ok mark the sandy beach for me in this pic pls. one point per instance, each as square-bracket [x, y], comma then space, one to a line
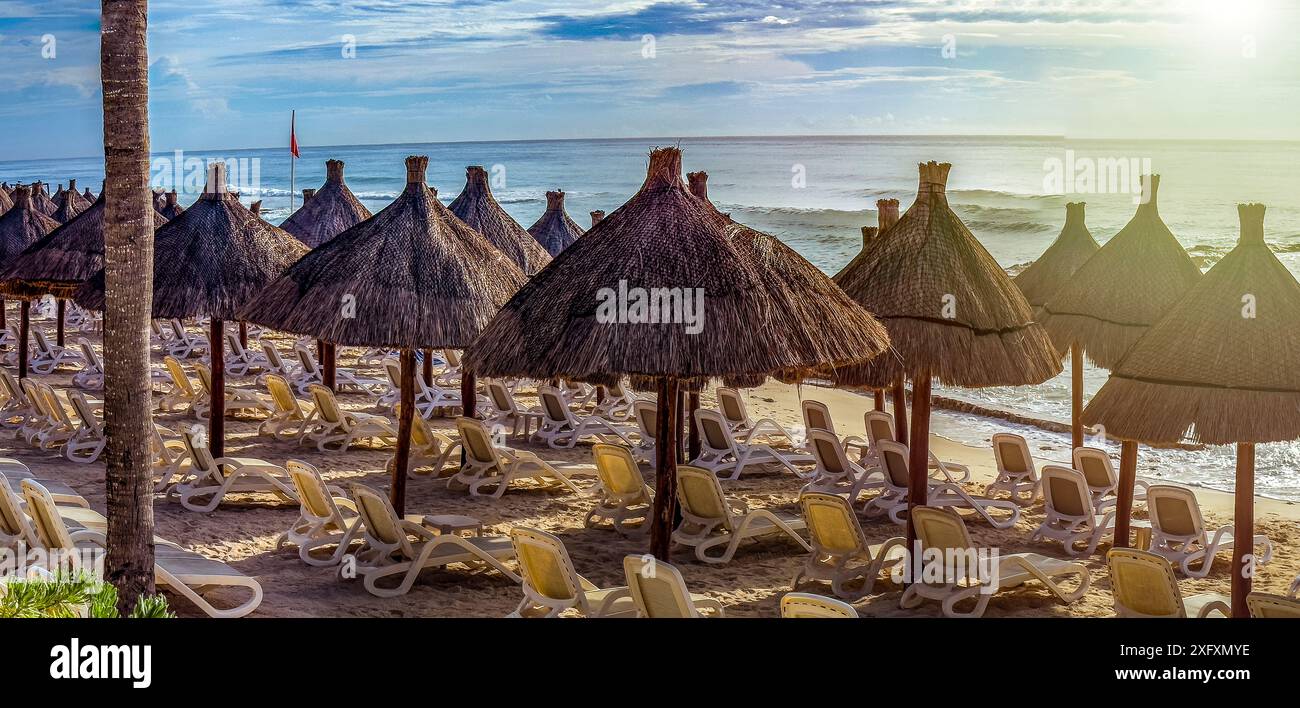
[243, 530]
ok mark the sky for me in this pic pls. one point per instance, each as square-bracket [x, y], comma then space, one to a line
[225, 75]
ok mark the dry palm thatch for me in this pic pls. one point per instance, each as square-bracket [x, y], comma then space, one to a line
[68, 209]
[89, 196]
[554, 230]
[328, 212]
[477, 207]
[171, 207]
[949, 307]
[886, 214]
[1126, 287]
[6, 201]
[79, 203]
[211, 259]
[417, 276]
[61, 261]
[698, 183]
[22, 226]
[41, 200]
[1222, 365]
[596, 216]
[1071, 249]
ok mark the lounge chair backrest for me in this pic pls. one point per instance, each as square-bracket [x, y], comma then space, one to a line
[381, 523]
[178, 329]
[475, 441]
[880, 426]
[90, 355]
[1066, 491]
[1096, 467]
[327, 406]
[12, 389]
[33, 396]
[831, 523]
[51, 532]
[647, 418]
[83, 409]
[940, 529]
[272, 355]
[1265, 606]
[200, 455]
[316, 500]
[234, 345]
[453, 358]
[553, 404]
[42, 344]
[544, 564]
[817, 416]
[713, 432]
[732, 406]
[700, 495]
[1174, 510]
[281, 395]
[657, 588]
[501, 397]
[893, 460]
[1143, 584]
[13, 520]
[828, 451]
[157, 329]
[801, 605]
[617, 469]
[205, 377]
[53, 406]
[393, 369]
[177, 374]
[615, 390]
[1011, 452]
[305, 358]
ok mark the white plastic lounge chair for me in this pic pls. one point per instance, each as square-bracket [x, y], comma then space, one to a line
[1144, 585]
[492, 467]
[721, 451]
[327, 518]
[659, 591]
[562, 428]
[237, 399]
[158, 335]
[802, 605]
[945, 532]
[38, 421]
[47, 357]
[59, 428]
[1097, 468]
[430, 449]
[1071, 517]
[448, 375]
[428, 398]
[624, 493]
[87, 442]
[241, 361]
[16, 527]
[168, 456]
[1265, 606]
[331, 424]
[576, 393]
[551, 585]
[646, 415]
[711, 520]
[841, 554]
[835, 472]
[893, 500]
[182, 343]
[214, 478]
[287, 414]
[344, 379]
[182, 392]
[16, 408]
[615, 402]
[91, 376]
[1178, 532]
[503, 410]
[183, 572]
[390, 550]
[817, 416]
[63, 495]
[375, 356]
[880, 426]
[1016, 473]
[732, 407]
[275, 364]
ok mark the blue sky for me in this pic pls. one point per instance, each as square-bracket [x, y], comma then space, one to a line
[225, 75]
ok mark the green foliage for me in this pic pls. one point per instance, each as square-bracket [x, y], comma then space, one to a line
[63, 597]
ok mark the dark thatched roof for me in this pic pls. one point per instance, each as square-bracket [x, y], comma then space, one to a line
[328, 212]
[171, 207]
[6, 201]
[698, 183]
[886, 214]
[596, 216]
[61, 261]
[415, 275]
[68, 209]
[211, 259]
[41, 200]
[555, 230]
[1124, 288]
[89, 196]
[78, 202]
[1052, 270]
[1223, 363]
[477, 207]
[766, 310]
[949, 307]
[22, 226]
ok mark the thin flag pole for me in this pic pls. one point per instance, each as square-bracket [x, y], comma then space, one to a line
[293, 155]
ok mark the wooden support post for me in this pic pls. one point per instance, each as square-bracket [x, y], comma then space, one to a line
[406, 409]
[665, 504]
[918, 460]
[900, 409]
[217, 411]
[1128, 462]
[1243, 529]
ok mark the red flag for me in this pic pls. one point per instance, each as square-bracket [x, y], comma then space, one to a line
[293, 134]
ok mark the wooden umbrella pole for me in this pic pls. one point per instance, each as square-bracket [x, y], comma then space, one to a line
[1076, 395]
[469, 394]
[680, 447]
[329, 366]
[243, 334]
[692, 432]
[918, 460]
[24, 324]
[320, 350]
[428, 367]
[58, 333]
[665, 505]
[2, 314]
[1243, 529]
[217, 417]
[900, 409]
[1128, 462]
[880, 399]
[406, 409]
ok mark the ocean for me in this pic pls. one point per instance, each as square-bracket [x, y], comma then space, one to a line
[814, 193]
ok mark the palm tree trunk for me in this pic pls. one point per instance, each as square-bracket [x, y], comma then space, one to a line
[128, 267]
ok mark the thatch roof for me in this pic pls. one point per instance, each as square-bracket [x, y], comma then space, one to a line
[1223, 363]
[477, 207]
[171, 207]
[6, 201]
[211, 259]
[41, 200]
[554, 230]
[78, 202]
[766, 310]
[61, 261]
[417, 276]
[1124, 288]
[1071, 249]
[949, 307]
[160, 198]
[68, 209]
[328, 212]
[596, 216]
[89, 196]
[698, 183]
[886, 214]
[22, 226]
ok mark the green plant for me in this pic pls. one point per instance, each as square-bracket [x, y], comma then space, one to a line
[70, 597]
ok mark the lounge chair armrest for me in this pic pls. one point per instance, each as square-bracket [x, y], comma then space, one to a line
[1212, 607]
[95, 537]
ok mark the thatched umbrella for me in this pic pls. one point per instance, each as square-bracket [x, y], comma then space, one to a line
[554, 230]
[328, 212]
[79, 203]
[416, 276]
[171, 207]
[210, 260]
[60, 262]
[20, 227]
[769, 311]
[160, 198]
[68, 208]
[1046, 276]
[88, 195]
[1113, 299]
[41, 200]
[6, 201]
[477, 207]
[1223, 365]
[951, 311]
[596, 216]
